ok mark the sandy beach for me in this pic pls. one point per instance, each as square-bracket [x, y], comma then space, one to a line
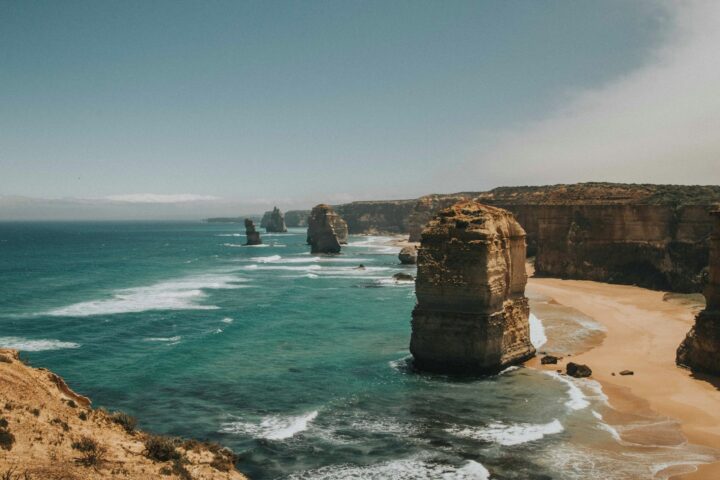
[643, 332]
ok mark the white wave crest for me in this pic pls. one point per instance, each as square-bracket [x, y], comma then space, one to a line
[577, 399]
[509, 434]
[537, 332]
[406, 469]
[180, 294]
[274, 427]
[163, 339]
[227, 320]
[27, 345]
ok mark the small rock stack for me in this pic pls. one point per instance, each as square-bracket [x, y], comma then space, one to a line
[326, 230]
[700, 350]
[471, 314]
[274, 222]
[253, 236]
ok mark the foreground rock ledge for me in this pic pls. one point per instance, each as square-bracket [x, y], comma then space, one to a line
[471, 315]
[700, 350]
[49, 432]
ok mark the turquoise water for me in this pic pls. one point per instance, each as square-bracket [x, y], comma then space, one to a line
[295, 361]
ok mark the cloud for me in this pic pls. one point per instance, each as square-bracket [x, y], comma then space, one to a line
[659, 123]
[160, 198]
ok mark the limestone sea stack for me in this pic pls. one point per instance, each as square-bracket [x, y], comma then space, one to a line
[274, 221]
[471, 315]
[700, 350]
[408, 255]
[326, 230]
[253, 236]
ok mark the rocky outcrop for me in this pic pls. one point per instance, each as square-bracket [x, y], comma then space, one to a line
[47, 431]
[408, 255]
[253, 236]
[297, 218]
[273, 221]
[471, 314]
[326, 230]
[375, 217]
[701, 348]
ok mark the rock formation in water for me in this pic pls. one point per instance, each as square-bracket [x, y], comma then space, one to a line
[701, 348]
[297, 218]
[273, 221]
[326, 230]
[408, 255]
[253, 236]
[471, 314]
[47, 431]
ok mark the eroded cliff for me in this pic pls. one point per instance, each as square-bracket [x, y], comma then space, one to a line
[471, 314]
[49, 432]
[326, 230]
[273, 221]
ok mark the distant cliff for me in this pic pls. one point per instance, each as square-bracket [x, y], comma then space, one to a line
[383, 216]
[297, 218]
[654, 236]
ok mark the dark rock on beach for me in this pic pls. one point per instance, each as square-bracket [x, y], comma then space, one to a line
[408, 255]
[549, 360]
[578, 370]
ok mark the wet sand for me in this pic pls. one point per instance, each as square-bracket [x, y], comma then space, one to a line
[642, 334]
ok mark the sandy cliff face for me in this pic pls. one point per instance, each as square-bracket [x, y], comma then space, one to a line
[654, 236]
[326, 230]
[376, 217]
[471, 314]
[701, 348]
[48, 432]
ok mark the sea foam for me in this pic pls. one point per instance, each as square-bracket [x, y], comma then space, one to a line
[179, 294]
[509, 434]
[404, 469]
[577, 399]
[28, 345]
[537, 332]
[273, 427]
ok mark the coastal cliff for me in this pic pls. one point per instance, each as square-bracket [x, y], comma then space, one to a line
[47, 431]
[655, 236]
[382, 216]
[297, 218]
[326, 230]
[471, 314]
[701, 348]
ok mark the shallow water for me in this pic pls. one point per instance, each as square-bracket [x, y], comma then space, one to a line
[298, 362]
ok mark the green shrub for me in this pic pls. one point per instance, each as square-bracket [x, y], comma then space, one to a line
[160, 448]
[126, 421]
[93, 453]
[6, 439]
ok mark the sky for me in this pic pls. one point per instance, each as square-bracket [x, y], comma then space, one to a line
[179, 109]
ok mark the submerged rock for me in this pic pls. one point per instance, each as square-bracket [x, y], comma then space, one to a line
[253, 236]
[578, 370]
[408, 255]
[700, 350]
[403, 277]
[471, 314]
[274, 221]
[326, 230]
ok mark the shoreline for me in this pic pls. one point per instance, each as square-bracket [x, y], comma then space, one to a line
[643, 332]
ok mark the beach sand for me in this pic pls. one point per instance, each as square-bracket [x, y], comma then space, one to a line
[643, 333]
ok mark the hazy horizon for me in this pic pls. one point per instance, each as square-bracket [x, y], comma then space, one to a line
[184, 110]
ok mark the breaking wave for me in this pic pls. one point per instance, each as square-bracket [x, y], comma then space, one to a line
[406, 469]
[509, 434]
[27, 345]
[274, 427]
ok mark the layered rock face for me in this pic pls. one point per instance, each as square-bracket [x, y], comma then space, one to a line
[326, 230]
[253, 236]
[655, 236]
[701, 348]
[382, 216]
[471, 314]
[274, 221]
[297, 218]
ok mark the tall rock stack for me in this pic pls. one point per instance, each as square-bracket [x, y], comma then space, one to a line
[326, 230]
[700, 350]
[274, 222]
[471, 314]
[253, 236]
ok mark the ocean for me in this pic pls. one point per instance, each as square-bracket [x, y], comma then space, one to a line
[297, 362]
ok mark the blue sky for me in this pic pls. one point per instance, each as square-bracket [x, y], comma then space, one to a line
[260, 102]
